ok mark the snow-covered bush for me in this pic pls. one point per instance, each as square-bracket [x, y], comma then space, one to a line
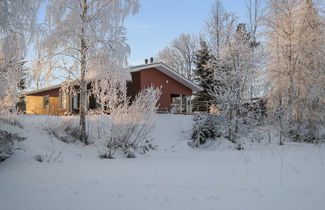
[131, 120]
[132, 124]
[303, 132]
[206, 126]
[8, 139]
[6, 142]
[64, 129]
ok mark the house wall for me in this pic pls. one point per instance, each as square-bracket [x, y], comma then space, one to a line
[140, 80]
[34, 103]
[153, 76]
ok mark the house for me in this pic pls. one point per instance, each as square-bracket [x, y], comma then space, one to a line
[175, 97]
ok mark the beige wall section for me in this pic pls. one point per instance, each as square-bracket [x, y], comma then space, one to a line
[34, 103]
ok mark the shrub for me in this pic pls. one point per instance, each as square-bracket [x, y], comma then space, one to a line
[64, 129]
[6, 142]
[206, 126]
[132, 124]
[302, 132]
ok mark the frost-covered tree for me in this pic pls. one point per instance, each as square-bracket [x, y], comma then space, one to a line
[254, 13]
[220, 27]
[296, 66]
[17, 27]
[90, 35]
[41, 71]
[179, 54]
[234, 70]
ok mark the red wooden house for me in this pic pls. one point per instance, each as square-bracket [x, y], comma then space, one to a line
[175, 97]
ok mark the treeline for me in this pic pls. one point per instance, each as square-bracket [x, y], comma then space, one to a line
[277, 56]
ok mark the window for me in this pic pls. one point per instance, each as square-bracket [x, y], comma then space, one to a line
[75, 101]
[46, 102]
[63, 100]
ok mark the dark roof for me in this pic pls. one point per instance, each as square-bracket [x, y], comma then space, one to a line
[160, 66]
[44, 89]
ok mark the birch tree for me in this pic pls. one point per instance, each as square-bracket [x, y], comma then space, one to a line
[17, 27]
[220, 27]
[42, 71]
[296, 66]
[255, 14]
[179, 54]
[88, 32]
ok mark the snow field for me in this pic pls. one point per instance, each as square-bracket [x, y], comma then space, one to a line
[174, 176]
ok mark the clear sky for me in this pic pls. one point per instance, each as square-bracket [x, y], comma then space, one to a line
[160, 21]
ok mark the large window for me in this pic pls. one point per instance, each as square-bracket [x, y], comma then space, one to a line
[46, 102]
[63, 101]
[75, 101]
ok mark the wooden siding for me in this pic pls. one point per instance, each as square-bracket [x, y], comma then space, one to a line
[169, 86]
[140, 80]
[34, 103]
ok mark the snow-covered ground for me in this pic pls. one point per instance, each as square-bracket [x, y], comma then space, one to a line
[174, 176]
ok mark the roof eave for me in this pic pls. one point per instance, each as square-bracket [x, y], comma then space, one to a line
[43, 89]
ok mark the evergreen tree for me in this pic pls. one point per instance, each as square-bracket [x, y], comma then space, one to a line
[242, 35]
[204, 74]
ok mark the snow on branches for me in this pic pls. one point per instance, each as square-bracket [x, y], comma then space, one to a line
[179, 55]
[296, 40]
[89, 35]
[233, 72]
[17, 27]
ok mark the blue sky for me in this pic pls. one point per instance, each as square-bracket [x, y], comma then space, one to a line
[160, 21]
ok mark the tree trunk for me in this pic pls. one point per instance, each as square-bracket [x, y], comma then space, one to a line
[281, 128]
[83, 83]
[281, 124]
[82, 108]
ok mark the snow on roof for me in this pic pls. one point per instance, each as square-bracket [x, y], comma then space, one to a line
[43, 89]
[170, 72]
[160, 66]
